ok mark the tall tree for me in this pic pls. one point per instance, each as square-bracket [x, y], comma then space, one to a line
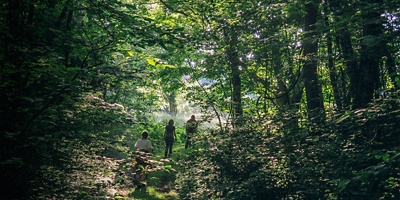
[231, 39]
[315, 106]
[370, 55]
[348, 83]
[338, 96]
[363, 45]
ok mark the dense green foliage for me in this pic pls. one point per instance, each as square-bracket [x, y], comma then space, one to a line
[355, 156]
[295, 99]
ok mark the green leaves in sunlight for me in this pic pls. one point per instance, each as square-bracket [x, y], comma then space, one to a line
[152, 61]
[80, 81]
[158, 63]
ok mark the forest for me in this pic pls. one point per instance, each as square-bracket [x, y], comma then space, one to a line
[295, 99]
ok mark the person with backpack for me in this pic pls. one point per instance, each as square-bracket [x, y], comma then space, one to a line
[169, 137]
[191, 129]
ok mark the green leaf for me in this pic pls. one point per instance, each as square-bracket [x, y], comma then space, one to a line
[160, 67]
[370, 40]
[128, 54]
[342, 184]
[344, 20]
[168, 167]
[151, 61]
[167, 66]
[385, 157]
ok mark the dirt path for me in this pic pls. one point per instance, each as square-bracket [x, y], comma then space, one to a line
[160, 181]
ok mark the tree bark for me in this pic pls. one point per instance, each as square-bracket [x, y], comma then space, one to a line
[232, 54]
[282, 100]
[172, 104]
[331, 65]
[351, 64]
[369, 61]
[315, 107]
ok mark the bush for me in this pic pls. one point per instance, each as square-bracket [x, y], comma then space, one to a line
[355, 155]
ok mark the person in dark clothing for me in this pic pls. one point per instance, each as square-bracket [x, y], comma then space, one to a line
[169, 137]
[191, 129]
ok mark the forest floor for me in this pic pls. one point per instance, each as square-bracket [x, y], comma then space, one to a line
[160, 183]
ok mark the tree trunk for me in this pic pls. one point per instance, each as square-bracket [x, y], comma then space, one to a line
[347, 84]
[172, 104]
[331, 66]
[315, 107]
[351, 64]
[282, 93]
[231, 39]
[369, 61]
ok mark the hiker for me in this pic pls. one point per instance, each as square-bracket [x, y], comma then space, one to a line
[143, 144]
[142, 148]
[191, 129]
[169, 137]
